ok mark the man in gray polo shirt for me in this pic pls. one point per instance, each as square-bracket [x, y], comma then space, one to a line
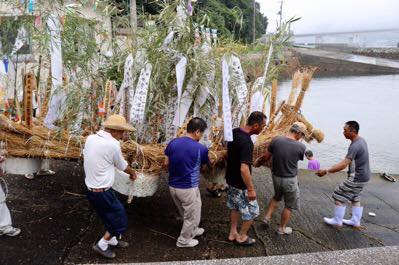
[357, 161]
[285, 151]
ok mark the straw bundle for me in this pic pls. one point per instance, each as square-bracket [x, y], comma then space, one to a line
[307, 75]
[46, 98]
[282, 119]
[273, 98]
[296, 79]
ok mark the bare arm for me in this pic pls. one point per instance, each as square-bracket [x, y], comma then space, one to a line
[246, 177]
[131, 172]
[263, 158]
[338, 167]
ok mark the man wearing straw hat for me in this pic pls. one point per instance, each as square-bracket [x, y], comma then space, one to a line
[285, 151]
[102, 154]
[357, 161]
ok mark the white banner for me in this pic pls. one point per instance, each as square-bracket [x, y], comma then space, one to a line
[140, 96]
[126, 83]
[180, 76]
[240, 86]
[58, 95]
[257, 101]
[54, 25]
[228, 130]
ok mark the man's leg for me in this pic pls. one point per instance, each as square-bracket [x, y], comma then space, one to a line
[357, 213]
[243, 235]
[176, 201]
[285, 218]
[273, 204]
[188, 200]
[234, 217]
[197, 213]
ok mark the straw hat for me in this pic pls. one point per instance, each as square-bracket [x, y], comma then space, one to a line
[117, 122]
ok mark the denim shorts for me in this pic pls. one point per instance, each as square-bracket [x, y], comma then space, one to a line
[237, 200]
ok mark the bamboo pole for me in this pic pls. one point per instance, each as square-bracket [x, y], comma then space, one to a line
[29, 86]
[273, 97]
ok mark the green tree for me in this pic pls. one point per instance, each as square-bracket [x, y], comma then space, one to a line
[232, 18]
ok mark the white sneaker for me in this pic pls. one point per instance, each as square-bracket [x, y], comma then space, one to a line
[200, 231]
[45, 173]
[286, 231]
[29, 176]
[190, 244]
[10, 231]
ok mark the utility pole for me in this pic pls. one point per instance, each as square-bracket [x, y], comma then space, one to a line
[281, 12]
[133, 15]
[254, 23]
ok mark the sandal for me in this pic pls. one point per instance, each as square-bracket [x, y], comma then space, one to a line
[247, 243]
[214, 193]
[388, 177]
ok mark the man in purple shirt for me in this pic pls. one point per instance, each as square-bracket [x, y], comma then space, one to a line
[185, 156]
[313, 164]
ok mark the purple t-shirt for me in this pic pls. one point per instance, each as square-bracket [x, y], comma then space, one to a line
[185, 159]
[313, 164]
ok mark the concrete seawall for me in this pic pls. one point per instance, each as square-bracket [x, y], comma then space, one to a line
[330, 64]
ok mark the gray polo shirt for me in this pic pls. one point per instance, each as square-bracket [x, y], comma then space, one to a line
[359, 155]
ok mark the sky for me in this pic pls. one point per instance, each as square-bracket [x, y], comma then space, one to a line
[334, 15]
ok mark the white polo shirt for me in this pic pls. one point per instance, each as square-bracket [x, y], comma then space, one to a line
[101, 154]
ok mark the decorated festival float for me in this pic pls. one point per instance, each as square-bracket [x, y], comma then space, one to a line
[158, 76]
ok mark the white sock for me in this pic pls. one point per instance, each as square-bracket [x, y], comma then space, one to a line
[113, 241]
[103, 244]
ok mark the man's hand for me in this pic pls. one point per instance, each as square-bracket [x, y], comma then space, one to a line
[133, 175]
[251, 195]
[321, 172]
[131, 172]
[258, 161]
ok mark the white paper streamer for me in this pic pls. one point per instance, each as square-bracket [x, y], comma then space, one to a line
[228, 130]
[257, 101]
[184, 104]
[54, 25]
[20, 40]
[168, 39]
[180, 76]
[140, 97]
[181, 17]
[58, 95]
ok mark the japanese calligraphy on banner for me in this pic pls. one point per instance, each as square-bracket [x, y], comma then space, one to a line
[126, 83]
[228, 129]
[140, 96]
[238, 81]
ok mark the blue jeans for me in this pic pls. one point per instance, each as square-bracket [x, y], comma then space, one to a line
[110, 210]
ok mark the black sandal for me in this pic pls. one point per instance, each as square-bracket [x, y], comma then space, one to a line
[214, 193]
